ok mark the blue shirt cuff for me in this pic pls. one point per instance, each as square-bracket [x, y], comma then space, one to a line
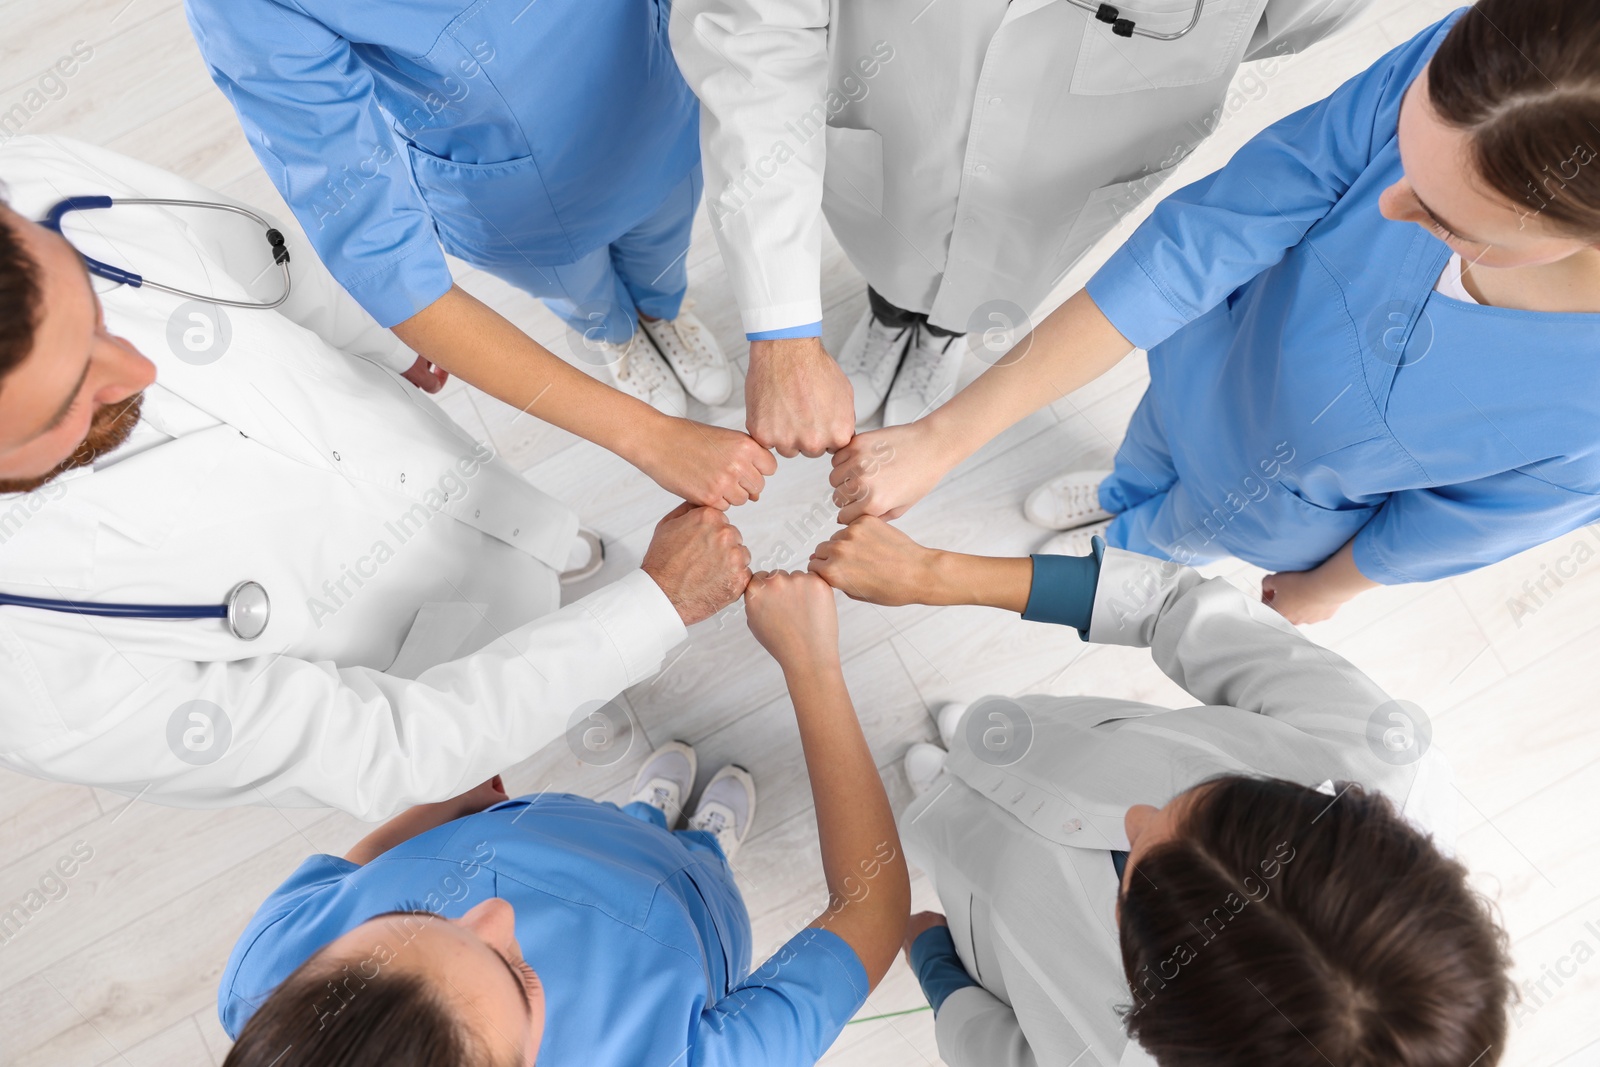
[1063, 589]
[936, 965]
[810, 329]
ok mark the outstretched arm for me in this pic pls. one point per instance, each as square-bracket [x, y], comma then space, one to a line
[869, 892]
[705, 465]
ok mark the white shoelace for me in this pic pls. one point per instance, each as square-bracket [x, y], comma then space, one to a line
[1078, 499]
[696, 354]
[644, 373]
[880, 339]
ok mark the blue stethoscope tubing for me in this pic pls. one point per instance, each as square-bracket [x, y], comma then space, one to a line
[246, 609]
[275, 243]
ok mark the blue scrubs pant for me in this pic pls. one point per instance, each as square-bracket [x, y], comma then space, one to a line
[693, 840]
[1156, 515]
[646, 269]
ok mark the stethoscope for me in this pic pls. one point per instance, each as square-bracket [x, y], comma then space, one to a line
[246, 609]
[280, 254]
[1124, 27]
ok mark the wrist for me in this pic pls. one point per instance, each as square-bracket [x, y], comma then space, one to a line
[641, 436]
[784, 348]
[811, 665]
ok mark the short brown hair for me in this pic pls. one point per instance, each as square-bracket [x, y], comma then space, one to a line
[1523, 78]
[394, 1019]
[19, 297]
[1288, 927]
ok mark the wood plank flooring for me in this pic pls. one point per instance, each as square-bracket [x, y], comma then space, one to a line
[122, 969]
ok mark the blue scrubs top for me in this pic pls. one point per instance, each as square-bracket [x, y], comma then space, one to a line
[1308, 385]
[639, 936]
[511, 131]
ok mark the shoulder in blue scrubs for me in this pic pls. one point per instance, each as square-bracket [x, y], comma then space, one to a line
[554, 144]
[1308, 385]
[638, 936]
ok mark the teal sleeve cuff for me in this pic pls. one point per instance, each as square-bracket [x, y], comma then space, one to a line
[936, 965]
[1063, 589]
[810, 329]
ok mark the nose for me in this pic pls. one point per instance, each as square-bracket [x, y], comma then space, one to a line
[494, 921]
[1399, 204]
[121, 370]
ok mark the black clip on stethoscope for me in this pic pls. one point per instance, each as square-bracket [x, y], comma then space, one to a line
[1124, 27]
[246, 609]
[275, 242]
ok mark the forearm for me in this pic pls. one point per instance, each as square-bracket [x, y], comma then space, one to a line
[987, 581]
[868, 888]
[1073, 346]
[474, 342]
[404, 827]
[1339, 578]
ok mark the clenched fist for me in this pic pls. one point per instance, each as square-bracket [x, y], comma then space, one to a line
[706, 465]
[793, 616]
[699, 560]
[872, 561]
[797, 399]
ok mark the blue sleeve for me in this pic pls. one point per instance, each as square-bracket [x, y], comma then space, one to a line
[252, 973]
[1063, 589]
[1214, 235]
[789, 1010]
[310, 113]
[936, 965]
[1420, 535]
[810, 329]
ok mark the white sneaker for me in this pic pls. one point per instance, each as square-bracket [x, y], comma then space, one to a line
[949, 718]
[927, 377]
[869, 359]
[1074, 542]
[637, 369]
[1067, 500]
[923, 763]
[727, 808]
[665, 780]
[693, 354]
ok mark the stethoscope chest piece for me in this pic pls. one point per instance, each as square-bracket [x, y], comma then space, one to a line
[249, 610]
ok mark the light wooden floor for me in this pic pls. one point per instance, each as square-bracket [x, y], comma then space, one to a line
[123, 967]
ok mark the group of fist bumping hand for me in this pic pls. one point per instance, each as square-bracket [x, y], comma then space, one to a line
[800, 403]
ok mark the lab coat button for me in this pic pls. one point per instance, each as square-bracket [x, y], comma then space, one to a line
[994, 101]
[336, 457]
[477, 513]
[1072, 826]
[517, 531]
[981, 168]
[402, 478]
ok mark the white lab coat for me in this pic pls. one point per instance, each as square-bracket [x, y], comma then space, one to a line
[1019, 853]
[973, 151]
[391, 544]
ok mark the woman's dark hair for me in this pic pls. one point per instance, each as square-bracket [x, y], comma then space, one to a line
[324, 1016]
[19, 297]
[1290, 928]
[1523, 78]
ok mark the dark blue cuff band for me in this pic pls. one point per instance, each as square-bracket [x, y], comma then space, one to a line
[936, 965]
[1063, 589]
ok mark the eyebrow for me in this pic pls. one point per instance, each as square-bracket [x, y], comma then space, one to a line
[66, 406]
[516, 976]
[1454, 231]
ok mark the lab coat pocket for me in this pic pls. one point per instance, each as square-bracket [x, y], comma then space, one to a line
[853, 179]
[489, 213]
[1108, 64]
[1106, 207]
